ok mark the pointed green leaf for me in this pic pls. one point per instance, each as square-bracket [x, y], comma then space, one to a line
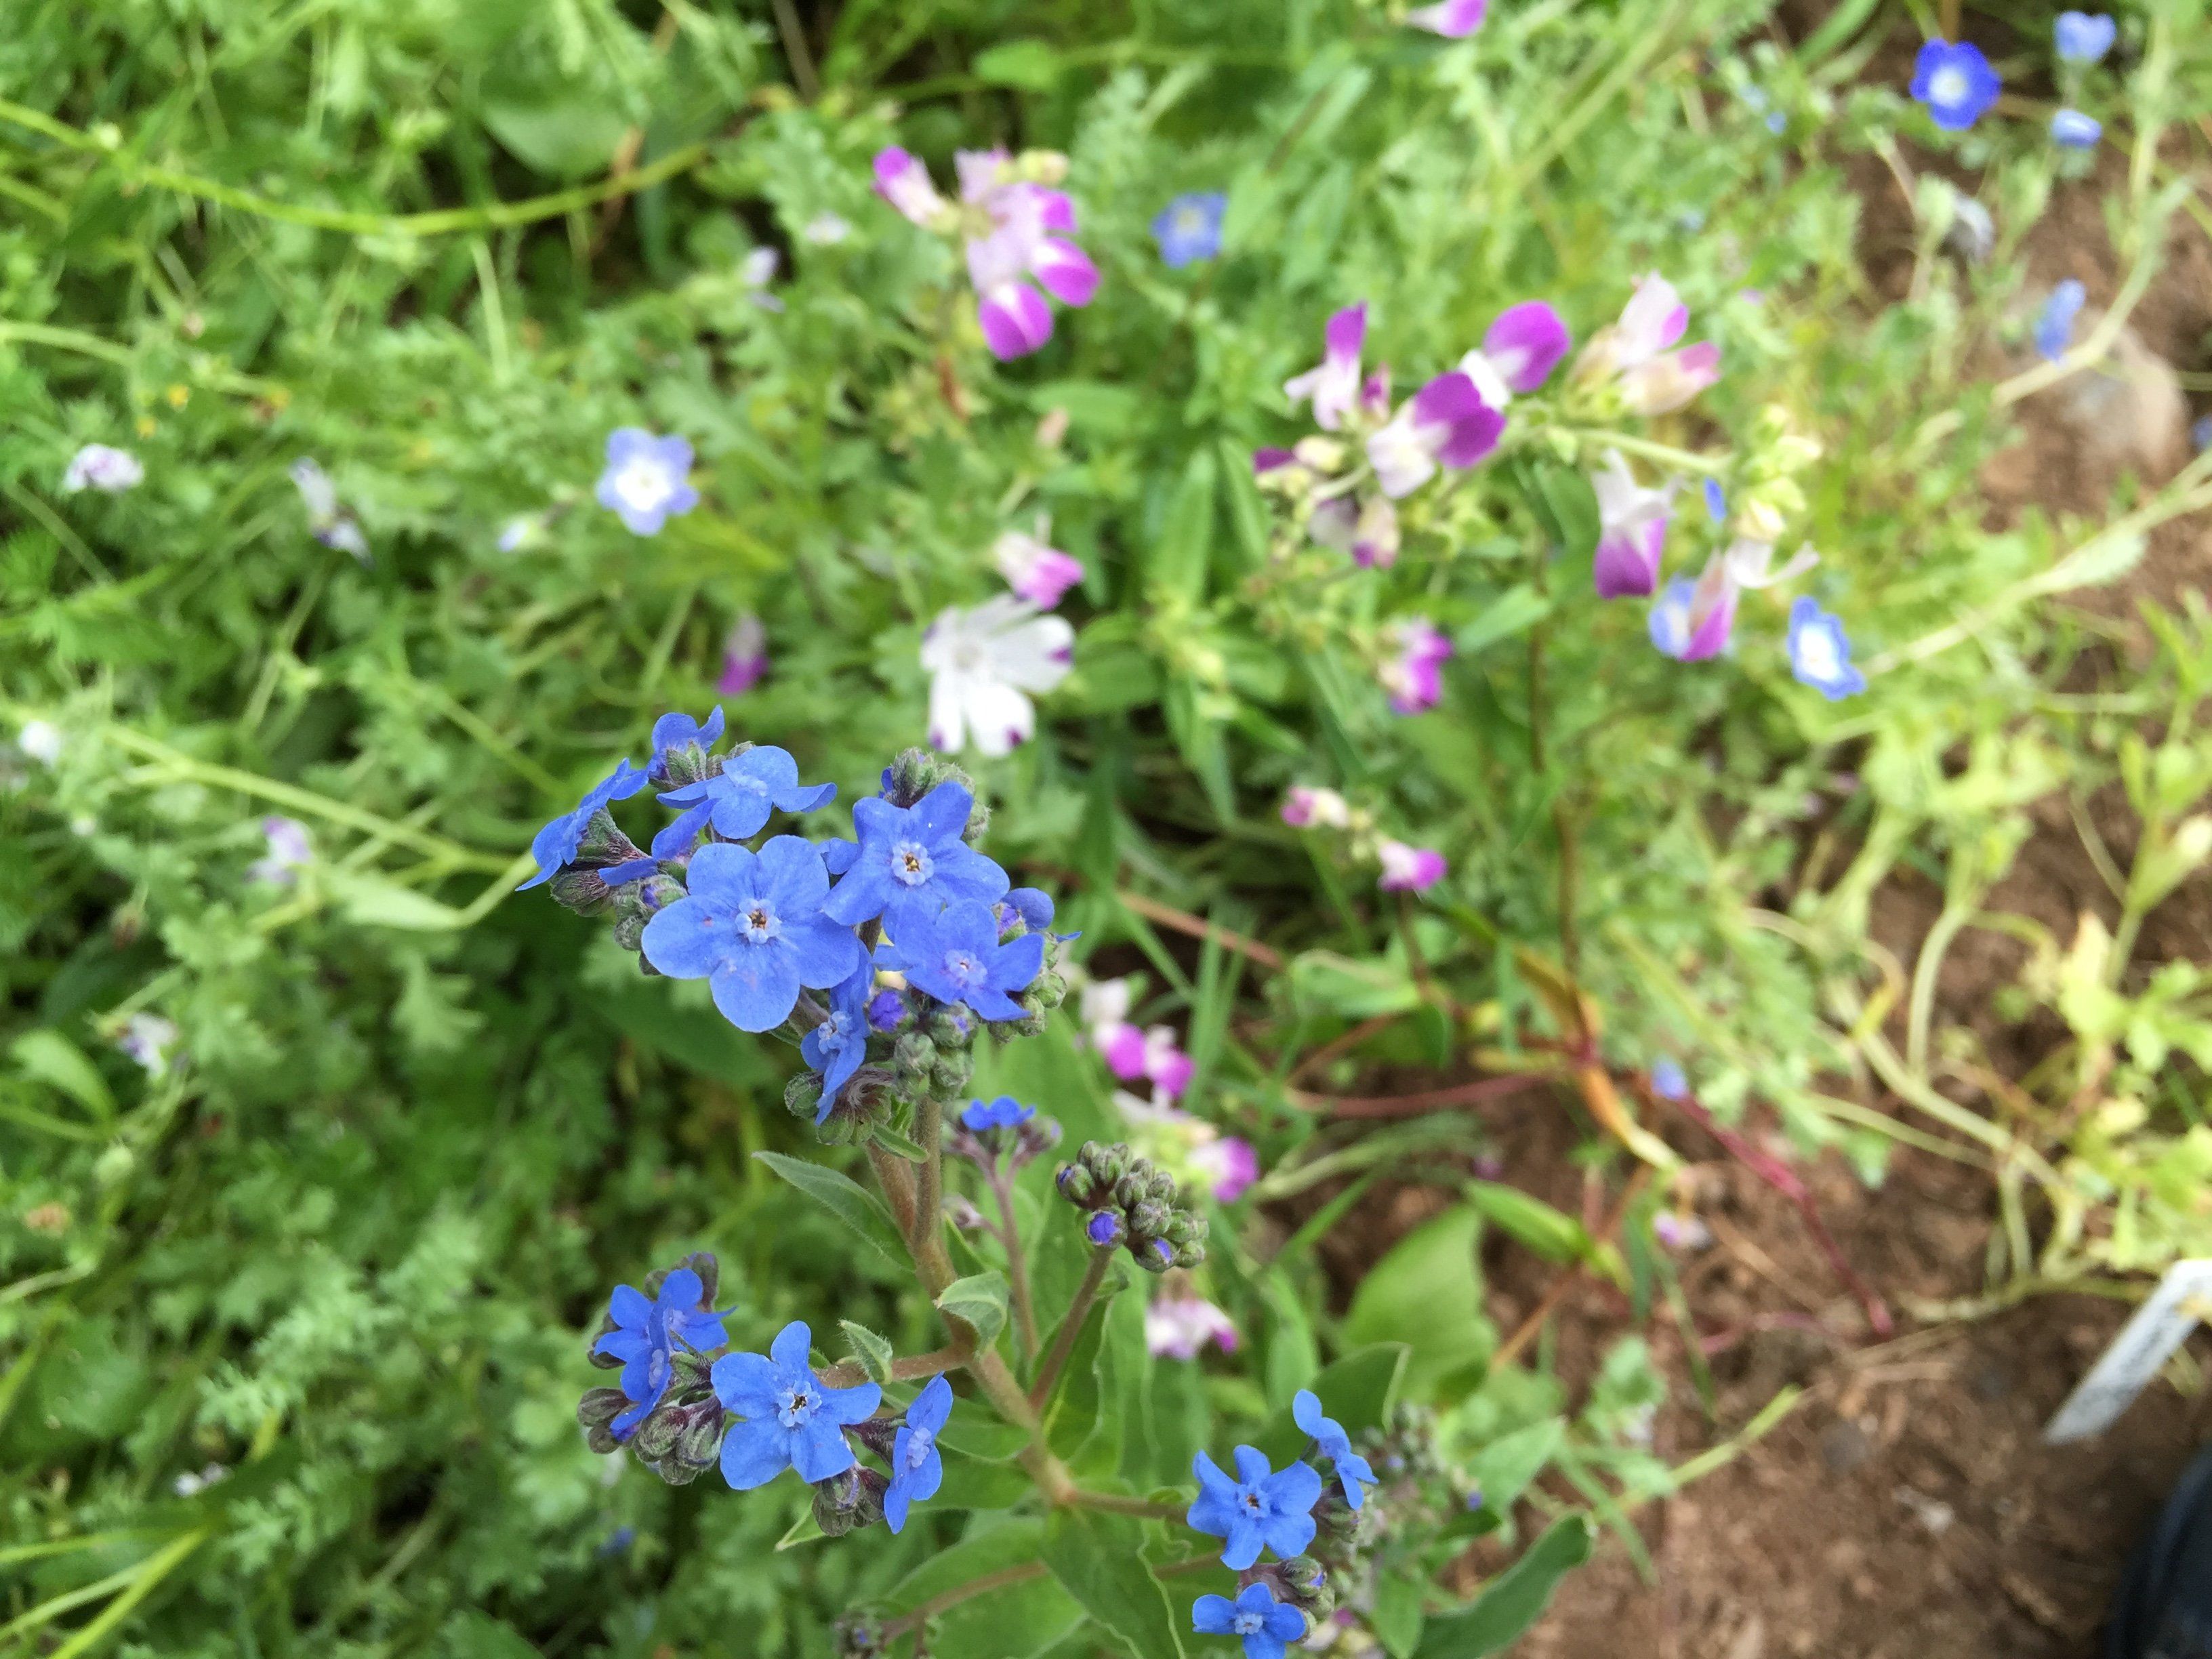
[1510, 1603]
[874, 1353]
[979, 1300]
[859, 1209]
[1099, 1560]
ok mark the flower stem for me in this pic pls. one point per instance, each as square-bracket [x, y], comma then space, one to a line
[1017, 1269]
[929, 1190]
[1688, 460]
[1070, 1327]
[912, 1368]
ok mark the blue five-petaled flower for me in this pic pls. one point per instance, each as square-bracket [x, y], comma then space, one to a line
[917, 1470]
[911, 862]
[738, 800]
[2084, 37]
[1956, 83]
[957, 957]
[1267, 1626]
[1259, 1510]
[752, 925]
[2054, 324]
[647, 1334]
[647, 479]
[789, 1417]
[1353, 1472]
[679, 731]
[1188, 228]
[555, 846]
[1819, 654]
[836, 1046]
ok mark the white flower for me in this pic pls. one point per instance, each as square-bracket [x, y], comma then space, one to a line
[756, 272]
[826, 229]
[100, 466]
[41, 740]
[983, 664]
[147, 1038]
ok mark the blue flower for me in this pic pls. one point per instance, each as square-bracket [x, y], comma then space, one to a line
[916, 1468]
[1259, 1510]
[555, 846]
[789, 1417]
[1330, 1440]
[2075, 130]
[957, 957]
[617, 1541]
[2054, 325]
[887, 1011]
[752, 924]
[1267, 1626]
[1715, 501]
[1668, 623]
[738, 800]
[1667, 1081]
[1032, 904]
[1820, 655]
[1189, 227]
[1956, 83]
[2084, 37]
[911, 862]
[681, 731]
[836, 1046]
[645, 479]
[1004, 1112]
[648, 1333]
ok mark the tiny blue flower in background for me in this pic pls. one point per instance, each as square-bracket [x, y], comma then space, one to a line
[886, 1010]
[1267, 1626]
[2200, 434]
[1820, 655]
[1259, 1510]
[1668, 624]
[917, 1470]
[1353, 1472]
[738, 800]
[789, 1417]
[2084, 37]
[1188, 228]
[836, 1046]
[752, 925]
[2071, 130]
[1715, 501]
[648, 1333]
[555, 846]
[618, 1541]
[957, 957]
[1004, 1112]
[2054, 325]
[646, 481]
[1666, 1080]
[910, 862]
[1956, 83]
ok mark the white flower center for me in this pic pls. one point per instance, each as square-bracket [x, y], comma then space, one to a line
[911, 863]
[1948, 86]
[761, 924]
[1817, 656]
[1248, 1623]
[962, 968]
[918, 1443]
[1189, 223]
[794, 1406]
[642, 483]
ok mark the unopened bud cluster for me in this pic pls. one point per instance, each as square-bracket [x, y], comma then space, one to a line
[1133, 1204]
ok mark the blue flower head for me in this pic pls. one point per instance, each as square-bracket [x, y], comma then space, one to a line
[1004, 1112]
[1188, 228]
[1667, 1081]
[1353, 1472]
[676, 732]
[911, 862]
[887, 1011]
[1267, 1627]
[1715, 501]
[556, 846]
[2084, 37]
[646, 479]
[957, 957]
[1819, 654]
[1032, 904]
[752, 925]
[917, 1470]
[1259, 1510]
[2054, 324]
[738, 800]
[789, 1419]
[2071, 130]
[836, 1046]
[647, 1335]
[1956, 83]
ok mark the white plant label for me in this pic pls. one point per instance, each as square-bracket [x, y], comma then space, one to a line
[2145, 1343]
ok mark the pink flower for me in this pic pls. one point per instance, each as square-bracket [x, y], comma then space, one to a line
[1303, 807]
[1151, 1053]
[903, 181]
[745, 657]
[1453, 19]
[1519, 353]
[1334, 383]
[1177, 1327]
[1037, 573]
[1667, 382]
[1414, 677]
[1631, 529]
[1445, 423]
[1408, 869]
[1227, 1165]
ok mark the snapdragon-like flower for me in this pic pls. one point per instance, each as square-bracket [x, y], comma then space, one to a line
[1445, 423]
[148, 1039]
[903, 181]
[1037, 573]
[1333, 383]
[1414, 676]
[1266, 1627]
[789, 1417]
[917, 1470]
[957, 957]
[1954, 81]
[2071, 130]
[1518, 352]
[1353, 1472]
[102, 467]
[1188, 228]
[647, 481]
[648, 1333]
[745, 657]
[1453, 19]
[1652, 379]
[2084, 37]
[911, 862]
[1366, 529]
[2054, 324]
[1819, 652]
[1407, 869]
[985, 663]
[1632, 523]
[752, 926]
[738, 800]
[288, 850]
[1131, 1052]
[556, 846]
[836, 1046]
[1260, 1509]
[333, 525]
[1178, 1325]
[1306, 807]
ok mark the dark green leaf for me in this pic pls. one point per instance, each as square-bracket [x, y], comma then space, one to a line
[1099, 1560]
[1510, 1603]
[846, 1200]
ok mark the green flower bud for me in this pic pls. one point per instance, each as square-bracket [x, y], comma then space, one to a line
[802, 1096]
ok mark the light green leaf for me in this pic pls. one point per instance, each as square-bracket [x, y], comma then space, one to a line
[1030, 66]
[874, 1353]
[979, 1300]
[53, 1059]
[1427, 1293]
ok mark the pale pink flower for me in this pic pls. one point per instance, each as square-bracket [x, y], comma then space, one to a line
[1408, 869]
[1179, 1326]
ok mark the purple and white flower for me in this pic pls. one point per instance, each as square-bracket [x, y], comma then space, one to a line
[1518, 353]
[745, 657]
[1820, 653]
[1653, 379]
[985, 663]
[903, 181]
[1414, 677]
[1407, 869]
[1692, 621]
[1179, 1325]
[647, 481]
[1633, 523]
[1367, 530]
[102, 467]
[1305, 807]
[149, 1040]
[1453, 19]
[333, 525]
[1445, 423]
[1036, 571]
[1019, 243]
[1333, 383]
[288, 850]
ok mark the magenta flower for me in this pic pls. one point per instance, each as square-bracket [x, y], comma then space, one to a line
[1179, 1326]
[1671, 380]
[745, 657]
[1152, 1053]
[1367, 530]
[1228, 1165]
[1303, 807]
[1035, 572]
[1453, 19]
[1633, 523]
[1408, 869]
[1414, 677]
[1445, 423]
[1334, 383]
[903, 181]
[1518, 353]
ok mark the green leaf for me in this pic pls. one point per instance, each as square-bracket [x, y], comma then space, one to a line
[1510, 1603]
[1502, 1469]
[373, 902]
[897, 1145]
[1030, 66]
[1552, 1233]
[874, 1353]
[1178, 560]
[1099, 1560]
[863, 1215]
[56, 1061]
[1396, 1618]
[1427, 1293]
[979, 1300]
[980, 1483]
[801, 1531]
[1516, 610]
[992, 1549]
[565, 136]
[1569, 509]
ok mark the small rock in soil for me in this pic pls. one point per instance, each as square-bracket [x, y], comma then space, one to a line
[1844, 1446]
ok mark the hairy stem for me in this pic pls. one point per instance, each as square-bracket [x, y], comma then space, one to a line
[911, 1368]
[1070, 1327]
[929, 1190]
[1017, 1268]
